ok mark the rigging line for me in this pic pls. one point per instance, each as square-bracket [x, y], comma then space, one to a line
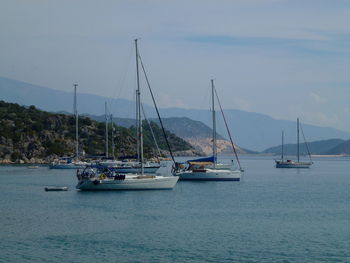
[150, 127]
[155, 105]
[228, 131]
[307, 146]
[122, 78]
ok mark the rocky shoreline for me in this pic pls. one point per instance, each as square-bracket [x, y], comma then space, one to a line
[52, 158]
[32, 160]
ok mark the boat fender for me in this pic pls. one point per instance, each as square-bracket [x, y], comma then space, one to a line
[96, 182]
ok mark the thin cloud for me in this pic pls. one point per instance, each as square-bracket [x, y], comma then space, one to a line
[317, 98]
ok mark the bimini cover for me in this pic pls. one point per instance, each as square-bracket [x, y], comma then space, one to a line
[205, 159]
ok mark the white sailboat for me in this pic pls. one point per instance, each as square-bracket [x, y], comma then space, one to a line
[123, 166]
[89, 180]
[208, 169]
[128, 167]
[291, 163]
[67, 162]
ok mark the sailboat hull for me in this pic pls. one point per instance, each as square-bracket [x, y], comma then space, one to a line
[210, 175]
[67, 166]
[135, 169]
[129, 183]
[293, 164]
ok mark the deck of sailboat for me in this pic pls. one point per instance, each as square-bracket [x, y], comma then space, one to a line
[210, 174]
[131, 182]
[292, 164]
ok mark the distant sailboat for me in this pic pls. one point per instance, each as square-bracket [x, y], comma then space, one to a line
[68, 162]
[111, 180]
[208, 169]
[290, 163]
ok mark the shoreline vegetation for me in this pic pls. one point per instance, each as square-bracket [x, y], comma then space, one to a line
[32, 136]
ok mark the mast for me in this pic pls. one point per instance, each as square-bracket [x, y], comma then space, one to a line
[76, 123]
[138, 101]
[155, 106]
[112, 134]
[137, 127]
[298, 154]
[282, 145]
[214, 122]
[106, 120]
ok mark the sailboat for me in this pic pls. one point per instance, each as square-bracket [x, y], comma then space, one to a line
[290, 163]
[208, 169]
[88, 179]
[122, 166]
[68, 162]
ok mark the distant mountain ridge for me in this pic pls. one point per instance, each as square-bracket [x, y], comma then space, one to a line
[194, 132]
[181, 126]
[341, 149]
[324, 147]
[250, 130]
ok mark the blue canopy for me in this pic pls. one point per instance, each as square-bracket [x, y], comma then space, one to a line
[205, 159]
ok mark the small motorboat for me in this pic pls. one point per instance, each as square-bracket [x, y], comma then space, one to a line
[56, 188]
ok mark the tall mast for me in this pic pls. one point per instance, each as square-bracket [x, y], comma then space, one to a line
[298, 154]
[76, 123]
[137, 126]
[106, 120]
[112, 134]
[282, 146]
[214, 122]
[138, 101]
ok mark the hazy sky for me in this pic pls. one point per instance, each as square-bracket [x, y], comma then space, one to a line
[278, 57]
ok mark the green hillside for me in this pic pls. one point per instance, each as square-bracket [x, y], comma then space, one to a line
[27, 133]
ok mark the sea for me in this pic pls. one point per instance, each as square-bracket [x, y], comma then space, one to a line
[271, 215]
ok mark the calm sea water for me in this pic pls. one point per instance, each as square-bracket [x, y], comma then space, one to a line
[272, 215]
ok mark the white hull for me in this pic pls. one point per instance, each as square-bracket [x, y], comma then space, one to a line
[133, 182]
[134, 170]
[67, 166]
[280, 164]
[210, 175]
[110, 163]
[221, 166]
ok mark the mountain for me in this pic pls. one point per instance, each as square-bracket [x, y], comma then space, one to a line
[183, 127]
[199, 135]
[187, 128]
[316, 147]
[250, 130]
[31, 135]
[342, 148]
[55, 100]
[257, 131]
[194, 132]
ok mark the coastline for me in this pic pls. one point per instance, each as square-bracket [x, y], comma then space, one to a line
[50, 159]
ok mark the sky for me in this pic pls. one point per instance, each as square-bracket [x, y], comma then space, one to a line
[283, 58]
